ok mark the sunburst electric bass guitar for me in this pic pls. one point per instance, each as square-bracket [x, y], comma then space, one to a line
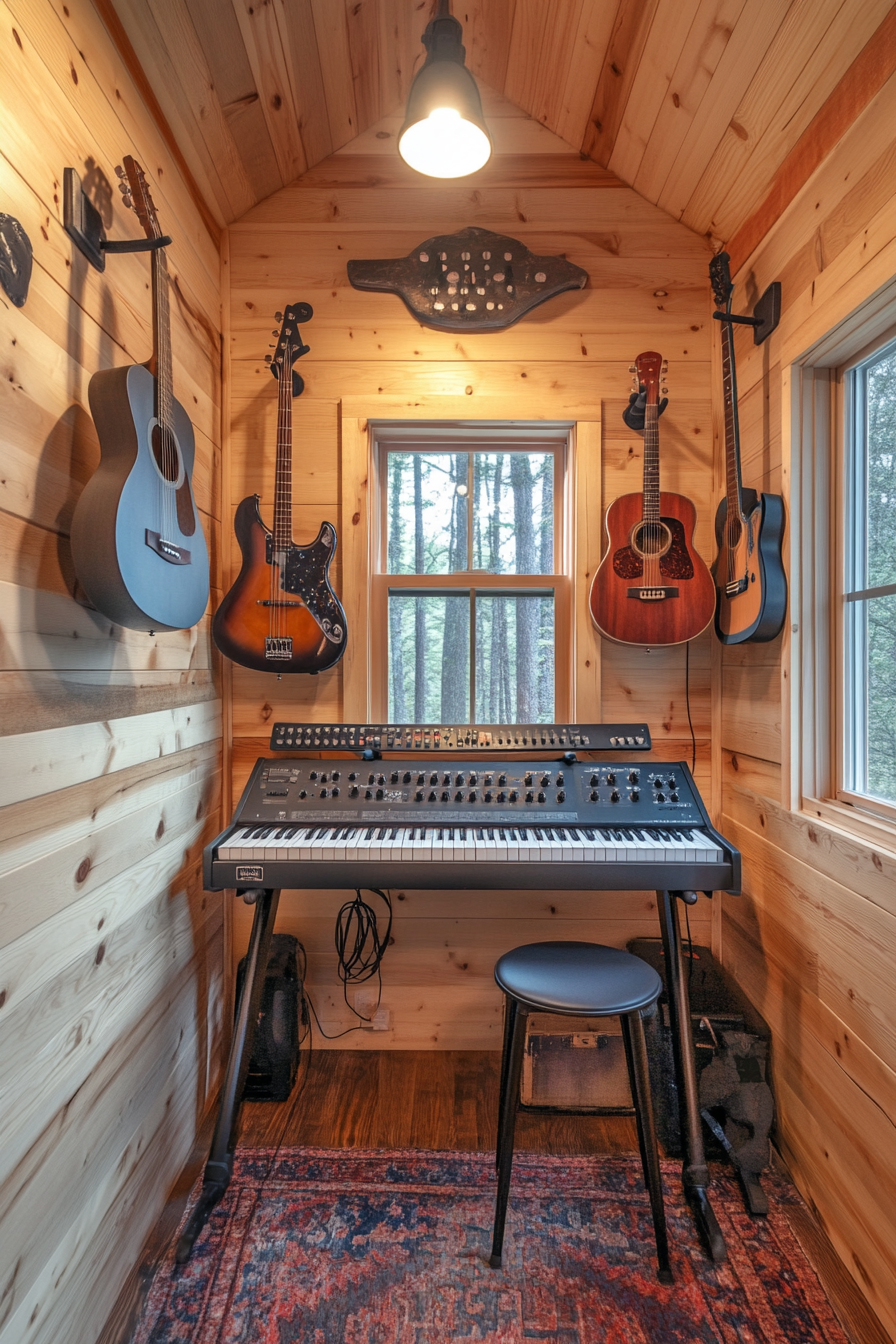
[137, 542]
[749, 575]
[281, 615]
[651, 587]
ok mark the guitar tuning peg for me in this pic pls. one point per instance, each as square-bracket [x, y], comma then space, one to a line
[664, 391]
[119, 171]
[278, 317]
[275, 332]
[633, 368]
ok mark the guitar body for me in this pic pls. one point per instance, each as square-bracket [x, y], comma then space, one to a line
[281, 617]
[757, 612]
[137, 543]
[638, 600]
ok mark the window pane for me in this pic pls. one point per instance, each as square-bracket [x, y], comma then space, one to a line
[429, 658]
[880, 413]
[514, 658]
[872, 700]
[513, 513]
[426, 503]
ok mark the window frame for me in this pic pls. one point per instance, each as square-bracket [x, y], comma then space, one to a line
[542, 436]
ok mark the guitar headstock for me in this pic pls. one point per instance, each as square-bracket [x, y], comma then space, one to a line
[289, 346]
[135, 192]
[650, 369]
[720, 278]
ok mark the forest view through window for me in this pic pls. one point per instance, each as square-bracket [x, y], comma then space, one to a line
[870, 599]
[470, 561]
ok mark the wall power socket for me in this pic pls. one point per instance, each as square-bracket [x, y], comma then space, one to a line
[380, 1018]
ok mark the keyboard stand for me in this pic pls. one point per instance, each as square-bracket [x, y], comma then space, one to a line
[694, 1172]
[219, 1168]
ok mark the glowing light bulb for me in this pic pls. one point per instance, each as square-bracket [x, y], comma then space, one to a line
[444, 144]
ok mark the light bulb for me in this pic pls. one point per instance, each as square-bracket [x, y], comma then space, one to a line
[444, 144]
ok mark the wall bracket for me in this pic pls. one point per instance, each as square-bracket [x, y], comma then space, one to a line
[766, 314]
[85, 227]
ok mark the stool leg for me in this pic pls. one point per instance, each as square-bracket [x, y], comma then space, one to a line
[512, 1067]
[510, 1006]
[639, 1076]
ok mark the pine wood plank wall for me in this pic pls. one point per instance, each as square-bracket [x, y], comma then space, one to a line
[812, 939]
[111, 956]
[568, 361]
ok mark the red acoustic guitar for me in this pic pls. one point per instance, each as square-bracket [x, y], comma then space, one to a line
[652, 587]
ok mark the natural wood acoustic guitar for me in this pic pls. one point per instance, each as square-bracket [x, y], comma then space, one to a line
[748, 571]
[281, 615]
[651, 587]
[137, 542]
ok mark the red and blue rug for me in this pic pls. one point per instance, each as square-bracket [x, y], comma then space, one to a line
[333, 1246]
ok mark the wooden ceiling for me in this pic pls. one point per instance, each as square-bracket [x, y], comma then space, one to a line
[695, 103]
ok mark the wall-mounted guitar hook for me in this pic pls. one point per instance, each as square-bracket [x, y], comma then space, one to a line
[85, 227]
[298, 382]
[766, 314]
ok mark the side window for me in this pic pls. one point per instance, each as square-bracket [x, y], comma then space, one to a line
[868, 680]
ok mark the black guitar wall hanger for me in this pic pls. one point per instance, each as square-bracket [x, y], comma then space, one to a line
[84, 225]
[766, 314]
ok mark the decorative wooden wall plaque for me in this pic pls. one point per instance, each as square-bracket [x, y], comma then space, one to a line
[473, 280]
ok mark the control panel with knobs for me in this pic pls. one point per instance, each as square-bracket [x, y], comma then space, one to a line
[434, 738]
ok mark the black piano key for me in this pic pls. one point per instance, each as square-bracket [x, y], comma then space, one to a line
[480, 835]
[381, 834]
[524, 834]
[394, 833]
[368, 834]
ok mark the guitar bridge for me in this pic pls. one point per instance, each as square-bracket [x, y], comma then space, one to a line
[175, 555]
[652, 594]
[278, 647]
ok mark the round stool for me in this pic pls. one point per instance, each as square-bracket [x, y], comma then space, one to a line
[582, 980]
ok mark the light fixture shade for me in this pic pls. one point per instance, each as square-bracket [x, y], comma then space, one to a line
[444, 132]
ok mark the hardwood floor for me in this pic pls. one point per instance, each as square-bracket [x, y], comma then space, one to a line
[433, 1099]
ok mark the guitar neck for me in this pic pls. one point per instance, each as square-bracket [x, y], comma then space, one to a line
[161, 320]
[283, 476]
[733, 488]
[651, 463]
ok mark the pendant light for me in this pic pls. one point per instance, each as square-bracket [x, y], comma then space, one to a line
[444, 133]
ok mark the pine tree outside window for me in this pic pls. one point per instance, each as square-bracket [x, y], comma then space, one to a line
[469, 577]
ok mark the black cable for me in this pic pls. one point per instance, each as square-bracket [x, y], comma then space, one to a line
[359, 947]
[687, 700]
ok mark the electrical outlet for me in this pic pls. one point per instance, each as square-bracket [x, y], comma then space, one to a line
[382, 1020]
[365, 1002]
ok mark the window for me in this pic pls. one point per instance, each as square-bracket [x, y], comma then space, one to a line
[868, 681]
[469, 581]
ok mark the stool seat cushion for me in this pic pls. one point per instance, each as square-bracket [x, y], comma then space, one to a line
[586, 979]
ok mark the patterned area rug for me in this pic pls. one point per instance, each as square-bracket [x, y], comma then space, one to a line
[324, 1246]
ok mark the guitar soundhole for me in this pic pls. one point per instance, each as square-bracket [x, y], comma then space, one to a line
[166, 453]
[651, 539]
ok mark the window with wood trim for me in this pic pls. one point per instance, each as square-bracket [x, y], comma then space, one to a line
[470, 584]
[867, 681]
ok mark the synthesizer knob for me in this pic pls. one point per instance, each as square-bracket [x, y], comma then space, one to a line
[595, 780]
[354, 776]
[594, 795]
[368, 794]
[634, 776]
[432, 795]
[660, 797]
[473, 796]
[446, 779]
[418, 796]
[445, 795]
[513, 795]
[353, 791]
[560, 779]
[488, 796]
[381, 779]
[433, 779]
[672, 783]
[634, 795]
[459, 779]
[528, 781]
[459, 797]
[379, 795]
[614, 796]
[489, 779]
[502, 779]
[394, 777]
[302, 793]
[502, 797]
[313, 775]
[611, 778]
[371, 779]
[530, 796]
[561, 797]
[673, 797]
[335, 776]
[334, 793]
[545, 781]
[406, 777]
[541, 797]
[474, 778]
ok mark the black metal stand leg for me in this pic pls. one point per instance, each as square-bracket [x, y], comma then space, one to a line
[219, 1167]
[515, 1038]
[639, 1077]
[695, 1173]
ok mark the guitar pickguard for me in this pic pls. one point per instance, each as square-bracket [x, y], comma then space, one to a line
[675, 564]
[305, 574]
